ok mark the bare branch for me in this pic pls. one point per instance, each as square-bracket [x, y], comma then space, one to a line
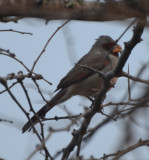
[11, 30]
[5, 120]
[4, 83]
[77, 137]
[136, 79]
[65, 117]
[47, 45]
[140, 143]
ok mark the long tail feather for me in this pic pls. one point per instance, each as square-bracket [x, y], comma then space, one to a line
[41, 113]
[58, 98]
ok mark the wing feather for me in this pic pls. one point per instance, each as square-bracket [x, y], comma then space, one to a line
[79, 73]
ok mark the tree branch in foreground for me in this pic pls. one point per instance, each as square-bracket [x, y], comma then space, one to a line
[119, 154]
[58, 9]
[78, 134]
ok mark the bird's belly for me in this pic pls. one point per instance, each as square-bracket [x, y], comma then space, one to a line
[89, 86]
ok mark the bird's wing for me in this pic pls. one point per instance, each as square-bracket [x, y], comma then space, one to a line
[79, 73]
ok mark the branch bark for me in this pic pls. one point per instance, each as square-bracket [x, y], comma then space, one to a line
[140, 143]
[56, 9]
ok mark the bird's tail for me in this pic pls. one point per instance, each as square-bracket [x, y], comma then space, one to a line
[58, 98]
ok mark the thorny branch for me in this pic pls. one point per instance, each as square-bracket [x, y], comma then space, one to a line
[78, 135]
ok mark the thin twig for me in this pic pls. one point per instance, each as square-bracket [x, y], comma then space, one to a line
[31, 108]
[13, 84]
[8, 55]
[4, 83]
[11, 30]
[5, 120]
[56, 118]
[116, 41]
[7, 51]
[39, 91]
[140, 143]
[92, 69]
[129, 90]
[37, 59]
[124, 74]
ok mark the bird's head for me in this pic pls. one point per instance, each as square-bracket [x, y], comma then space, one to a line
[105, 43]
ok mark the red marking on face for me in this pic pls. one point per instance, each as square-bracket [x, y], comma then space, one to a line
[108, 46]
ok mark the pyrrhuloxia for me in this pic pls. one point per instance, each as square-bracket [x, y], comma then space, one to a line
[82, 81]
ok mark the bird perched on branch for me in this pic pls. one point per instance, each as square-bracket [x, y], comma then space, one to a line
[82, 80]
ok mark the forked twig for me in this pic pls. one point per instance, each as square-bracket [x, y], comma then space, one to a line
[37, 59]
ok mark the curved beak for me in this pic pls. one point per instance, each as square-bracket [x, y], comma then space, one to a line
[117, 49]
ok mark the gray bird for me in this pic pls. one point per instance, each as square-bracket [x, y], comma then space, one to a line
[83, 81]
